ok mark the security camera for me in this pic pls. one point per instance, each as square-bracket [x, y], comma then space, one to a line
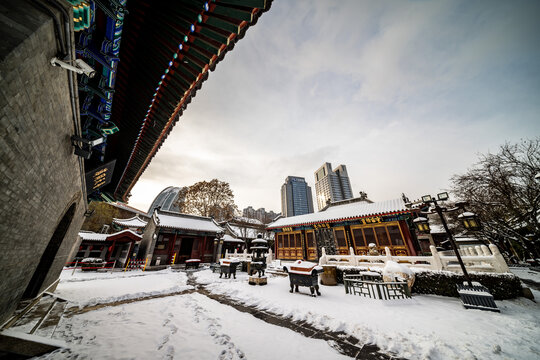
[87, 69]
[80, 67]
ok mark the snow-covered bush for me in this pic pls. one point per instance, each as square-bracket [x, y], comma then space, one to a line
[501, 286]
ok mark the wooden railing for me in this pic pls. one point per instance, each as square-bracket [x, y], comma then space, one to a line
[478, 258]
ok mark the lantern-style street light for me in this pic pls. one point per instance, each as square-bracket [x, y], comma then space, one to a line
[469, 221]
[422, 224]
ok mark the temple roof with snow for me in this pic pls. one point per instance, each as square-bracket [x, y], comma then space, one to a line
[172, 220]
[229, 238]
[133, 222]
[92, 236]
[344, 212]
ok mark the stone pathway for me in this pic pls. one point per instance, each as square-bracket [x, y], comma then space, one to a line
[345, 344]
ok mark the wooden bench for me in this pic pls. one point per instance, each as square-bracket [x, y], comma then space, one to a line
[356, 285]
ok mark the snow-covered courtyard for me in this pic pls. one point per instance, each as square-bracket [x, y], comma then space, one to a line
[161, 315]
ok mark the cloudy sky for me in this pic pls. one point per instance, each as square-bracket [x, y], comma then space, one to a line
[405, 93]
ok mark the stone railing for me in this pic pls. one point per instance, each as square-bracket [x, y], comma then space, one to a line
[478, 258]
[245, 256]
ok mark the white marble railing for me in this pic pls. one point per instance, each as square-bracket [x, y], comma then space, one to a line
[478, 258]
[245, 256]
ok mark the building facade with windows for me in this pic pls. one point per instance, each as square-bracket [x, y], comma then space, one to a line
[344, 225]
[173, 238]
[296, 198]
[332, 185]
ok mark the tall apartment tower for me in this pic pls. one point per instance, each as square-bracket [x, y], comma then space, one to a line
[332, 185]
[296, 197]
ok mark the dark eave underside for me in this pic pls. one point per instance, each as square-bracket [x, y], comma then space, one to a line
[153, 32]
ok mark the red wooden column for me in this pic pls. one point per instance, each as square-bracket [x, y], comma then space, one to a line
[171, 247]
[408, 238]
[203, 249]
[112, 250]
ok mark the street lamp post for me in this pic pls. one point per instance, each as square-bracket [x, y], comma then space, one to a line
[422, 225]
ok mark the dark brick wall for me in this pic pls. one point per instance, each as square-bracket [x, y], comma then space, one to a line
[40, 178]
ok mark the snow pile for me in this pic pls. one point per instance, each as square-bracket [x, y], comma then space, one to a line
[393, 271]
[112, 287]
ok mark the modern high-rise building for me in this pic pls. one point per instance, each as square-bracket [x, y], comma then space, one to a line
[296, 197]
[332, 185]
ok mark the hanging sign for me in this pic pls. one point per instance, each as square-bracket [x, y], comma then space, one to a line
[321, 226]
[99, 177]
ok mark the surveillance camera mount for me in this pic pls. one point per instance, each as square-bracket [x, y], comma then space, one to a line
[78, 66]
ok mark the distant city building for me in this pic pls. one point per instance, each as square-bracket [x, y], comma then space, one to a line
[167, 200]
[296, 197]
[332, 185]
[249, 212]
[260, 214]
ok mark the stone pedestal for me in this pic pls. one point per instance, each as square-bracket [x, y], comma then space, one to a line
[255, 280]
[329, 277]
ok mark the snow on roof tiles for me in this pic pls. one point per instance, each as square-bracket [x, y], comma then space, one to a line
[134, 222]
[344, 212]
[229, 238]
[87, 235]
[185, 222]
[124, 206]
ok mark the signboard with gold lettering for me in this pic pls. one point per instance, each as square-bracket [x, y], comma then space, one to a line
[371, 220]
[321, 226]
[99, 177]
[287, 229]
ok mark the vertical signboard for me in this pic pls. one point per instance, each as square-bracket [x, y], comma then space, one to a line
[99, 177]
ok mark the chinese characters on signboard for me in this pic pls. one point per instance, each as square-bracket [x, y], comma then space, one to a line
[99, 177]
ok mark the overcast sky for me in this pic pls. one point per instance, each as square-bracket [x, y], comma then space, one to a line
[404, 93]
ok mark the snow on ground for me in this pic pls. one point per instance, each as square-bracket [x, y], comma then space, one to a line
[424, 327]
[194, 326]
[91, 288]
[526, 273]
[188, 326]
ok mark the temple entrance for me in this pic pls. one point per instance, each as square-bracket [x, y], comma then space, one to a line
[47, 258]
[185, 250]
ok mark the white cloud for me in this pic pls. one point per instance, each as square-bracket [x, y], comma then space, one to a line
[403, 93]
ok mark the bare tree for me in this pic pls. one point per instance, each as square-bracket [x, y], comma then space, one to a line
[212, 198]
[503, 190]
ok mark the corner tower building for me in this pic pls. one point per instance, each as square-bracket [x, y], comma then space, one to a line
[332, 185]
[296, 197]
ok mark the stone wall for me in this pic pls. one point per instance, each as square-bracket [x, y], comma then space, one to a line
[40, 177]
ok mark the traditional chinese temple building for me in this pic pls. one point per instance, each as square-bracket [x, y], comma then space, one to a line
[135, 224]
[347, 224]
[170, 235]
[117, 247]
[73, 137]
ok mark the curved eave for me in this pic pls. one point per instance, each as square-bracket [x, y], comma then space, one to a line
[339, 220]
[220, 27]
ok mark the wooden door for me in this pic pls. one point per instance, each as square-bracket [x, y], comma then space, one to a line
[360, 245]
[398, 247]
[311, 245]
[340, 238]
[296, 251]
